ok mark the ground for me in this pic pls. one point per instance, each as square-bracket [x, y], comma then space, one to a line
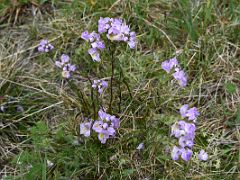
[41, 112]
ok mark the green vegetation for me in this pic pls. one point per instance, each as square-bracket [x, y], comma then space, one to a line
[42, 141]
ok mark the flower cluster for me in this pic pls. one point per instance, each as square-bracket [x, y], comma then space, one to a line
[191, 113]
[105, 126]
[99, 85]
[96, 43]
[45, 46]
[65, 65]
[117, 30]
[179, 74]
[85, 128]
[185, 132]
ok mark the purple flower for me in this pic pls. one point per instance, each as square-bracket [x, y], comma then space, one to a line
[182, 128]
[192, 113]
[132, 40]
[186, 142]
[103, 136]
[115, 122]
[94, 54]
[94, 37]
[176, 131]
[132, 44]
[69, 67]
[98, 126]
[169, 64]
[186, 154]
[117, 30]
[65, 65]
[99, 85]
[183, 110]
[203, 155]
[111, 131]
[45, 46]
[166, 66]
[63, 60]
[106, 126]
[176, 152]
[180, 76]
[189, 130]
[85, 35]
[85, 128]
[140, 146]
[66, 74]
[173, 62]
[103, 25]
[98, 45]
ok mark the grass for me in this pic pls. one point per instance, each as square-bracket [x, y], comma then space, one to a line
[205, 36]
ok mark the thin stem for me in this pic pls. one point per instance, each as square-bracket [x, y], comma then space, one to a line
[111, 81]
[92, 98]
[124, 80]
[120, 90]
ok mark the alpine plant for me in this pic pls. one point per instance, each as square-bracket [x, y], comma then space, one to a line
[182, 130]
[105, 126]
[116, 30]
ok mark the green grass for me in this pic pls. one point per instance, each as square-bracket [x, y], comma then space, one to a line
[204, 33]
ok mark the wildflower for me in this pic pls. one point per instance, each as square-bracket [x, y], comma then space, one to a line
[176, 131]
[140, 146]
[186, 142]
[45, 46]
[183, 110]
[65, 65]
[189, 130]
[105, 126]
[85, 35]
[96, 43]
[117, 30]
[94, 54]
[180, 76]
[103, 136]
[192, 113]
[69, 67]
[169, 64]
[186, 154]
[99, 85]
[97, 126]
[63, 60]
[202, 155]
[132, 40]
[182, 128]
[103, 24]
[85, 128]
[176, 152]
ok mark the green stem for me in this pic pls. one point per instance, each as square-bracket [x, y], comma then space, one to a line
[124, 80]
[111, 81]
[120, 90]
[92, 98]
